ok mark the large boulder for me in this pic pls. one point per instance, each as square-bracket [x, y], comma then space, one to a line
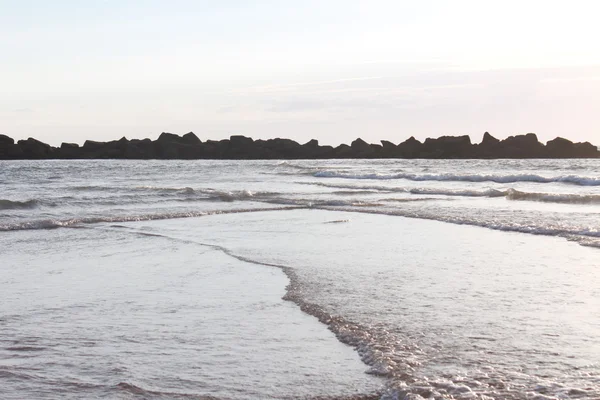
[311, 144]
[522, 141]
[8, 149]
[488, 140]
[447, 147]
[564, 148]
[169, 137]
[240, 141]
[560, 147]
[168, 150]
[241, 147]
[215, 149]
[410, 148]
[521, 146]
[586, 150]
[312, 150]
[362, 149]
[191, 138]
[6, 140]
[69, 146]
[140, 149]
[101, 150]
[342, 151]
[388, 149]
[92, 145]
[68, 150]
[170, 146]
[285, 148]
[488, 148]
[34, 149]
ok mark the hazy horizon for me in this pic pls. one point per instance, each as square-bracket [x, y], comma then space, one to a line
[333, 72]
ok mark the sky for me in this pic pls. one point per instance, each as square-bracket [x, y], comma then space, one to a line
[332, 70]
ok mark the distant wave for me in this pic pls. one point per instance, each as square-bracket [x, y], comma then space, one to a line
[223, 195]
[316, 203]
[510, 194]
[513, 194]
[570, 179]
[92, 188]
[236, 195]
[291, 165]
[186, 192]
[18, 205]
[183, 190]
[100, 188]
[463, 193]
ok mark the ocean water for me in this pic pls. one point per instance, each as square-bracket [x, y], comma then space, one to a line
[345, 279]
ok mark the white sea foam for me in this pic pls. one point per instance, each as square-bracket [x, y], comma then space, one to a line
[77, 222]
[510, 194]
[459, 193]
[587, 236]
[513, 194]
[571, 179]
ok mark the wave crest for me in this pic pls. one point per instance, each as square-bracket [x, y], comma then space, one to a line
[512, 194]
[570, 179]
[18, 205]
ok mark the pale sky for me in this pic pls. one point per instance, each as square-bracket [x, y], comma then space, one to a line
[333, 70]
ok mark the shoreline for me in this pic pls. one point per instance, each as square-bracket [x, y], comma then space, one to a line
[207, 317]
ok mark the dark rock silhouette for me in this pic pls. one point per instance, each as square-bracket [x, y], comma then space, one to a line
[8, 149]
[5, 140]
[410, 148]
[489, 140]
[488, 147]
[564, 148]
[189, 146]
[34, 149]
[362, 149]
[522, 146]
[447, 147]
[191, 138]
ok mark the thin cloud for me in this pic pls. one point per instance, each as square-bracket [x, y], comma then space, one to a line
[571, 79]
[283, 87]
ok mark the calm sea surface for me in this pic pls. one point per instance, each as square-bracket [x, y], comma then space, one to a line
[300, 279]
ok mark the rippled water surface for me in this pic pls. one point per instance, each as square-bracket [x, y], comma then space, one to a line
[303, 279]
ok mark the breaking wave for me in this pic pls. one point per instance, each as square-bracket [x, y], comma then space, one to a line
[513, 194]
[297, 167]
[462, 193]
[510, 194]
[570, 179]
[187, 192]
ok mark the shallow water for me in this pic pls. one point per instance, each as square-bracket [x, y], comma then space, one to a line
[104, 313]
[166, 278]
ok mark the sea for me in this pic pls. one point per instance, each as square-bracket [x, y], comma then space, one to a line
[305, 279]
